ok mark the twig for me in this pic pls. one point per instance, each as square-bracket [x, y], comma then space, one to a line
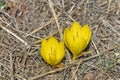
[68, 55]
[20, 77]
[53, 71]
[76, 69]
[85, 53]
[70, 17]
[95, 47]
[106, 23]
[34, 31]
[14, 35]
[38, 41]
[109, 2]
[11, 66]
[78, 62]
[54, 14]
[91, 57]
[60, 69]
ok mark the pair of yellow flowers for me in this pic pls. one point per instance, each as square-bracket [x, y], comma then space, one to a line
[76, 40]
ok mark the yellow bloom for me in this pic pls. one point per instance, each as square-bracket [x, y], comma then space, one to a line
[52, 51]
[77, 38]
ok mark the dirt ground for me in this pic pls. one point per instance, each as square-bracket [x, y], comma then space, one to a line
[24, 23]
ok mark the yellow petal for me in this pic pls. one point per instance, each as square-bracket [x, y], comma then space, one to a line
[44, 52]
[51, 51]
[53, 56]
[77, 38]
[86, 33]
[52, 41]
[52, 47]
[78, 46]
[67, 37]
[60, 52]
[75, 28]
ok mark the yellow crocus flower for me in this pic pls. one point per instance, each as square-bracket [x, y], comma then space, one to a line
[77, 38]
[52, 51]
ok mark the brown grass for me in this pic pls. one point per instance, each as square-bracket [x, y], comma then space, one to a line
[26, 22]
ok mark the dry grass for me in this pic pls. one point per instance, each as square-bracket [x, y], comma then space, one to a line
[26, 22]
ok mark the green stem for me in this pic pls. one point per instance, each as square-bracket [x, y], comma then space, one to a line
[74, 57]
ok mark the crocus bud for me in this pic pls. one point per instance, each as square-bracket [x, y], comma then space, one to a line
[77, 38]
[52, 51]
